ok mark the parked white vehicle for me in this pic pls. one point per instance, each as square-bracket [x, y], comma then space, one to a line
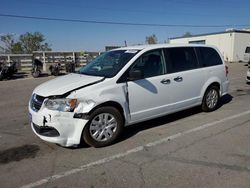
[126, 86]
[247, 54]
[248, 76]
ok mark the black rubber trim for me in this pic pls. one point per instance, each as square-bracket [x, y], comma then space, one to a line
[81, 116]
[45, 130]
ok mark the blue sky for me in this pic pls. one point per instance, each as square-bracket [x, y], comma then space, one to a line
[94, 37]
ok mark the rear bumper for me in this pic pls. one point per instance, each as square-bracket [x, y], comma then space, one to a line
[225, 87]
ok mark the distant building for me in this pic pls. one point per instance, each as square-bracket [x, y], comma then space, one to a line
[234, 45]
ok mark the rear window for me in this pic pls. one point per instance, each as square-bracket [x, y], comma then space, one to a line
[247, 51]
[209, 57]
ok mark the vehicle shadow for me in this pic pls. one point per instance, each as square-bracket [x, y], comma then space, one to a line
[43, 74]
[132, 130]
[225, 99]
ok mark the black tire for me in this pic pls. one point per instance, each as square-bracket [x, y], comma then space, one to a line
[55, 72]
[88, 133]
[211, 99]
[51, 70]
[1, 75]
[36, 74]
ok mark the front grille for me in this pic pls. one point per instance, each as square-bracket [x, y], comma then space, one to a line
[36, 102]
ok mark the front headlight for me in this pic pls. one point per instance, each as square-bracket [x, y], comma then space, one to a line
[63, 105]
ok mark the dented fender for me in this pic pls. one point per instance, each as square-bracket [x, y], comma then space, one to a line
[91, 98]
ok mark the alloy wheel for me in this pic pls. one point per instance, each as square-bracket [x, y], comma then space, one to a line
[102, 127]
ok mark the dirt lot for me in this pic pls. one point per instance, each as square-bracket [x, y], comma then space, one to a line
[186, 149]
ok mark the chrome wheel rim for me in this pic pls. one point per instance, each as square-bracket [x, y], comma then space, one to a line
[212, 98]
[102, 127]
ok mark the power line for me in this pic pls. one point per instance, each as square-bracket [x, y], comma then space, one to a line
[168, 11]
[119, 23]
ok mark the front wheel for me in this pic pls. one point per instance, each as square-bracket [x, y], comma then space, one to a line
[211, 99]
[104, 127]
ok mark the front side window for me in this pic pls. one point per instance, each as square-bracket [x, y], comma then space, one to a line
[108, 64]
[209, 57]
[180, 59]
[150, 64]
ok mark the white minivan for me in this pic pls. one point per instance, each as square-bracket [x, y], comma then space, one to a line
[126, 86]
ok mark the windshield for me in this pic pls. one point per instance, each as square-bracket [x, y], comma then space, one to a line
[109, 63]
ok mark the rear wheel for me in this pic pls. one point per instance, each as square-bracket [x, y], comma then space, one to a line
[104, 127]
[211, 99]
[36, 74]
[56, 72]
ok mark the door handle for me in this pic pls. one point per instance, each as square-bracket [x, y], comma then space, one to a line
[178, 79]
[165, 81]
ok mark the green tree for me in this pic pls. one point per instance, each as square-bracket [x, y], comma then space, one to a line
[26, 43]
[8, 42]
[33, 42]
[17, 48]
[152, 39]
[187, 34]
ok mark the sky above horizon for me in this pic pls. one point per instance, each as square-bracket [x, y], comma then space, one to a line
[78, 36]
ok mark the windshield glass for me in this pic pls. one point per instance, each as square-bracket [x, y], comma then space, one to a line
[109, 63]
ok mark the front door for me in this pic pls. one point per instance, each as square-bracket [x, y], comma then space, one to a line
[149, 96]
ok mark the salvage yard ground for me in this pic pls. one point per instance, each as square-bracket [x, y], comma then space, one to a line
[186, 149]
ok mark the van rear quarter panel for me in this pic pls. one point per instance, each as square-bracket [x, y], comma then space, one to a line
[213, 74]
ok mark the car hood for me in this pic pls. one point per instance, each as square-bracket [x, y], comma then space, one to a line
[64, 84]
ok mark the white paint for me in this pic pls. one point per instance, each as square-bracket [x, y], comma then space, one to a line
[241, 41]
[134, 150]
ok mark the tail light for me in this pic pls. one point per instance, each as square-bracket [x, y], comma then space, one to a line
[226, 70]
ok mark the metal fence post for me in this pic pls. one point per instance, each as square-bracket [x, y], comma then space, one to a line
[44, 62]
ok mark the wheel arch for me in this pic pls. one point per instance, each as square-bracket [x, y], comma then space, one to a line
[113, 104]
[212, 82]
[215, 84]
[85, 138]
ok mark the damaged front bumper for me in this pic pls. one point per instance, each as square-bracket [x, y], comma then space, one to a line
[62, 128]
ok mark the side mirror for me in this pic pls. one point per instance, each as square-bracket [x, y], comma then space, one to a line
[135, 75]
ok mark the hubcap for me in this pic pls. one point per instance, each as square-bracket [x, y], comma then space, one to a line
[103, 127]
[212, 98]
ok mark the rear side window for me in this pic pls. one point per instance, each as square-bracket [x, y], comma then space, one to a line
[247, 51]
[180, 59]
[209, 57]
